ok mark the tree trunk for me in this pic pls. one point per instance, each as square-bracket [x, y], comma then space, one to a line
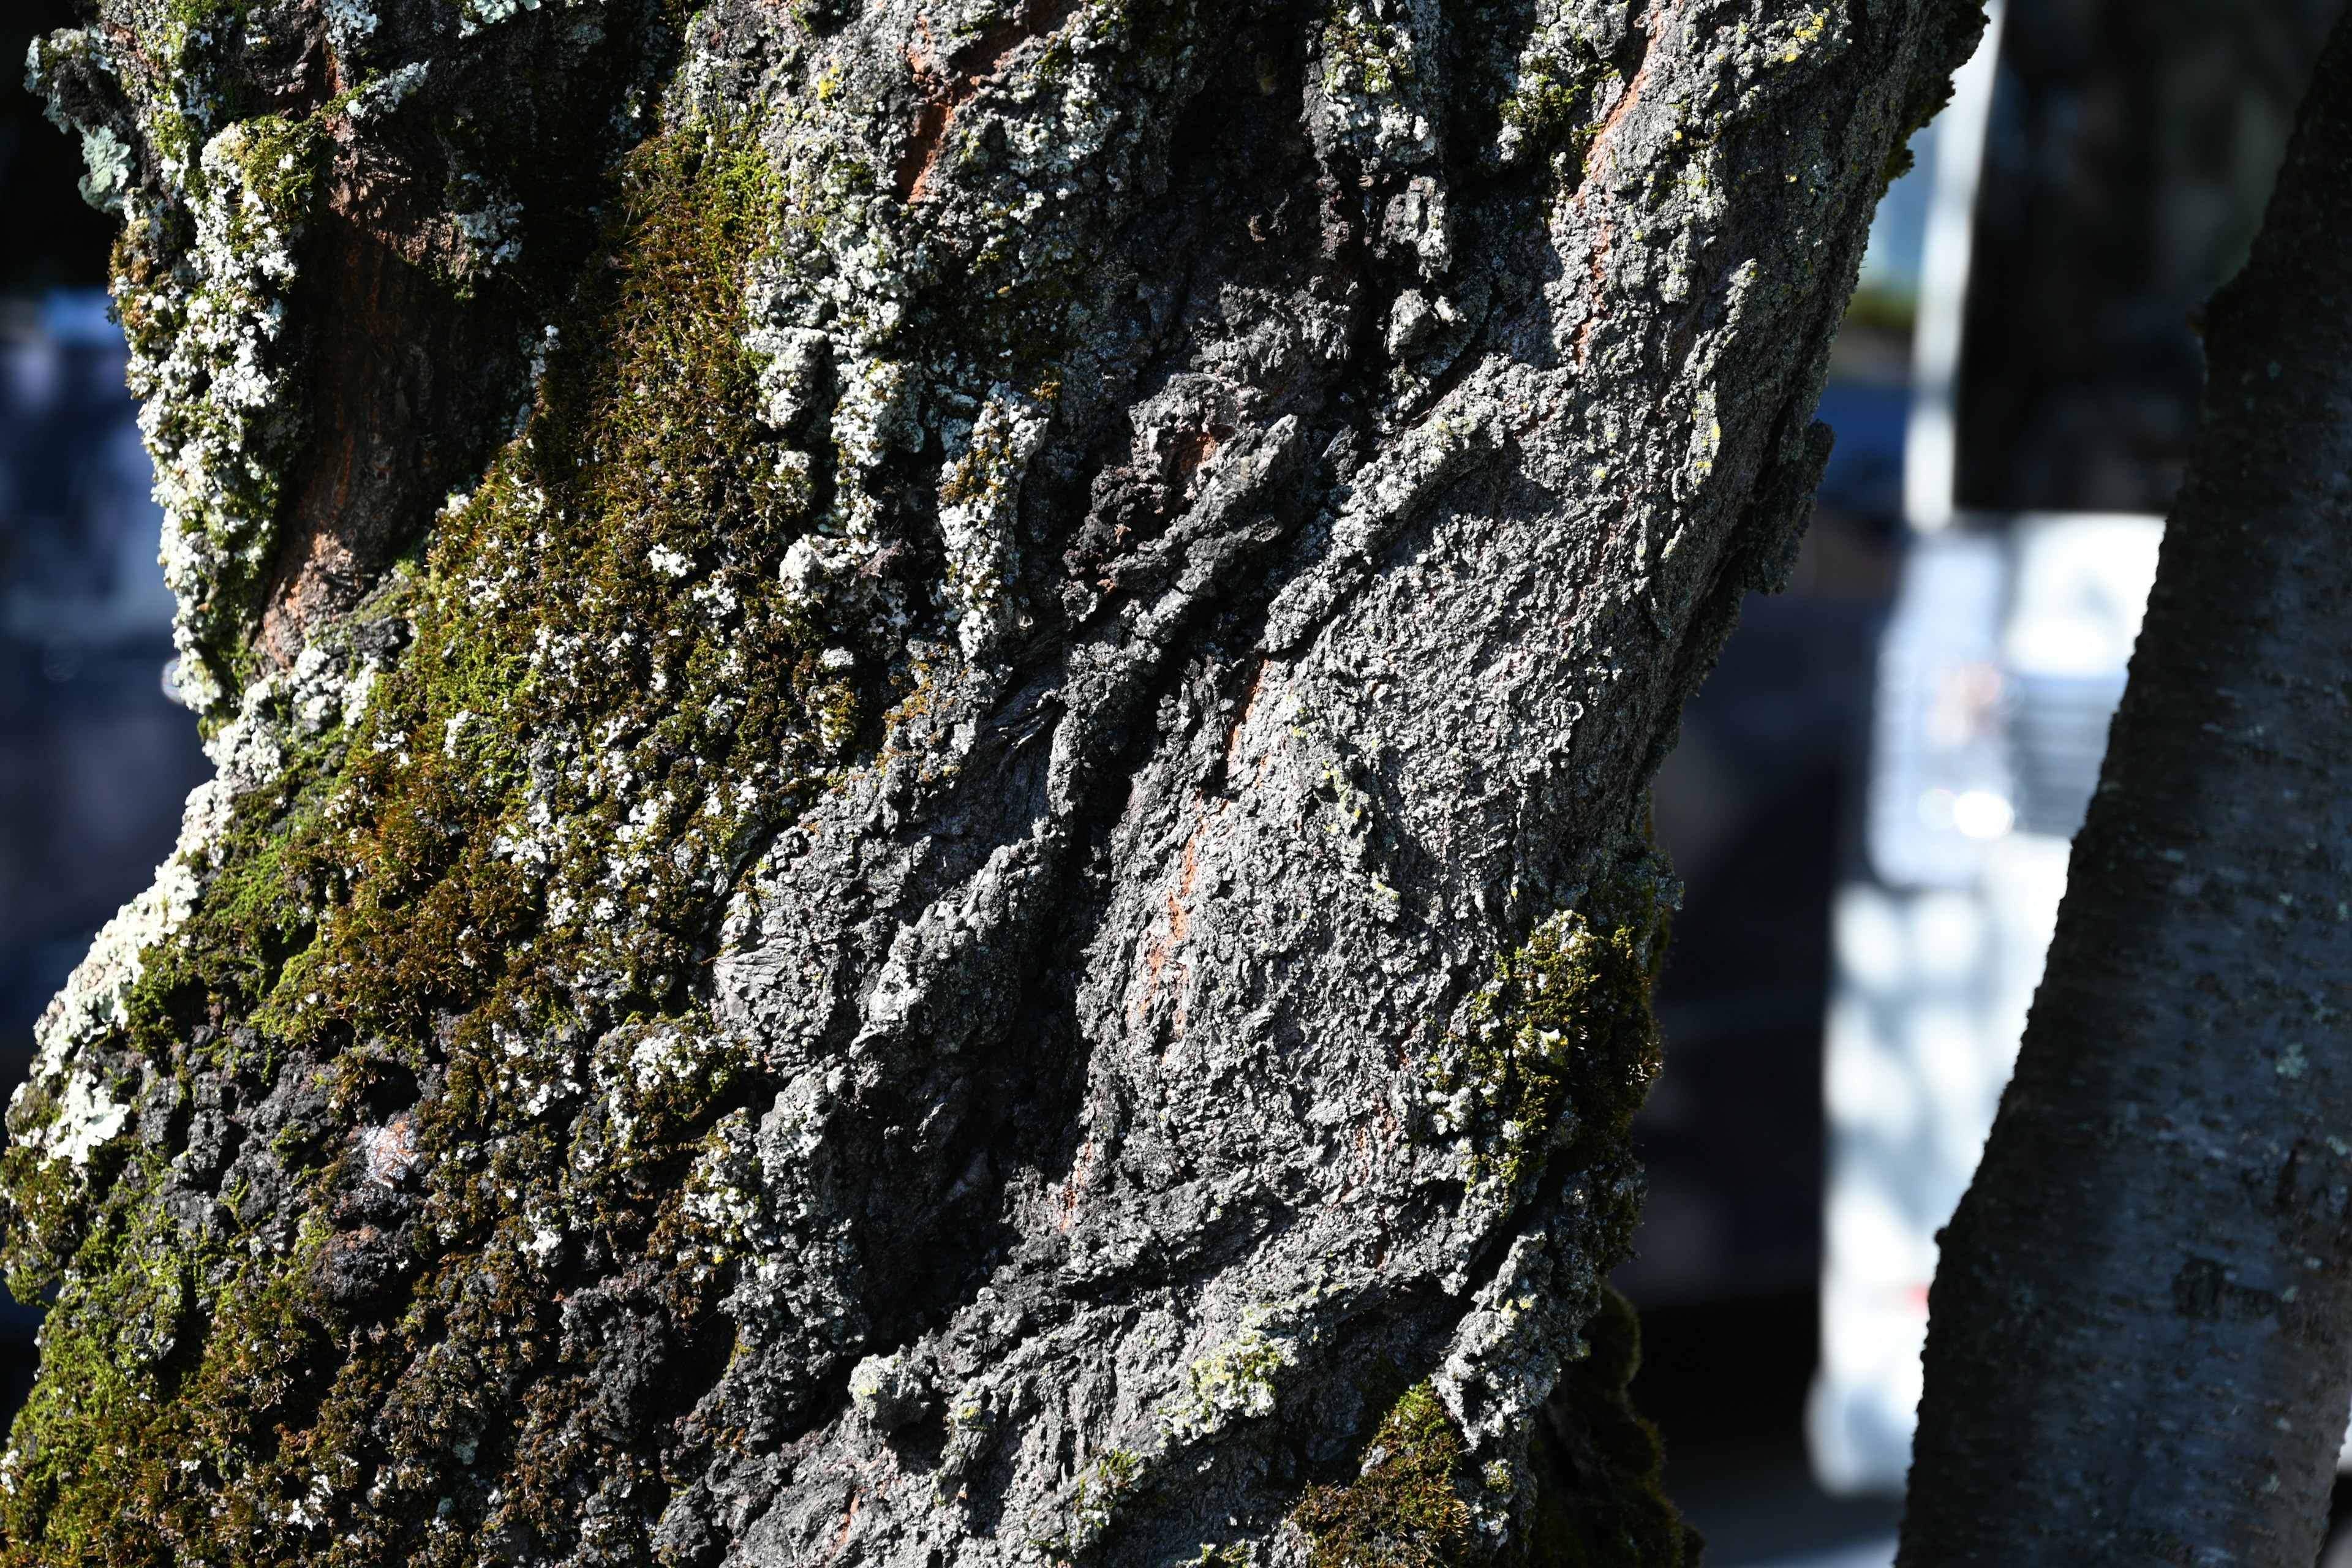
[2136, 1348]
[982, 894]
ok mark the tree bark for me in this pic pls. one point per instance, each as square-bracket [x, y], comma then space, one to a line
[2136, 1348]
[981, 893]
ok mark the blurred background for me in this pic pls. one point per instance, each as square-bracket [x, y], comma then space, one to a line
[1874, 793]
[1869, 805]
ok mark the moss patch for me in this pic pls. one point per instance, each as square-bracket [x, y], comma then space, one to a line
[1599, 1500]
[518, 847]
[1561, 1045]
[1403, 1511]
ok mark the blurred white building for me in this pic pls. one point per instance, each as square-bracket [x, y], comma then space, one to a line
[1997, 677]
[1998, 673]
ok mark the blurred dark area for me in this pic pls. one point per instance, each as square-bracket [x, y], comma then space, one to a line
[1755, 806]
[1725, 1383]
[49, 238]
[1751, 805]
[2131, 148]
[96, 759]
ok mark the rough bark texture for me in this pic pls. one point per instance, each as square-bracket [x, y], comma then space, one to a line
[982, 894]
[2137, 1350]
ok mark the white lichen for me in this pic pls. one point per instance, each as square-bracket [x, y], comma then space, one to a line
[1379, 90]
[980, 502]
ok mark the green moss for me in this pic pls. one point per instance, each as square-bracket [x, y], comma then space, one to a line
[1095, 1504]
[196, 16]
[1114, 1471]
[607, 697]
[1403, 1510]
[277, 160]
[1234, 1380]
[1561, 1042]
[1549, 114]
[154, 1381]
[1361, 54]
[1599, 1500]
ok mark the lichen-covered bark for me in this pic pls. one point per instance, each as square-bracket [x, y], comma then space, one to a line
[929, 840]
